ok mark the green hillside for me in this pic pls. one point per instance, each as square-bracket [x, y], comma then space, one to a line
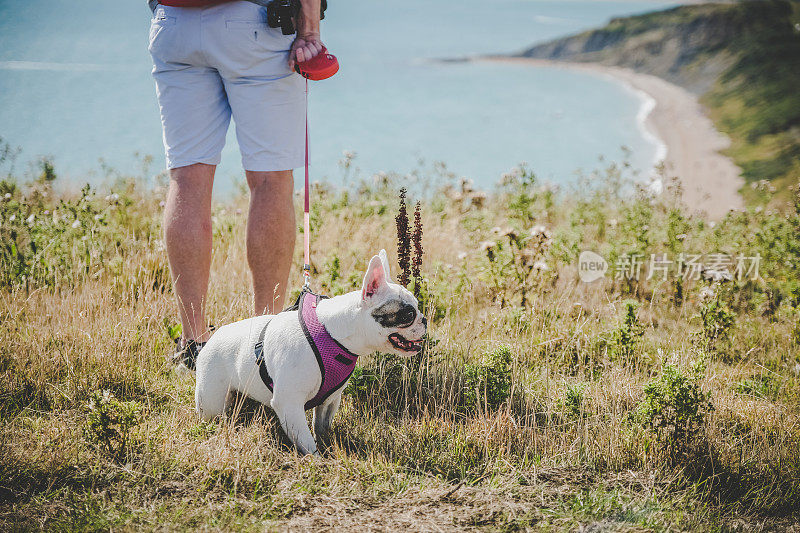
[743, 59]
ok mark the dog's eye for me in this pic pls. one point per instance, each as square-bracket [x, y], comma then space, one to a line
[406, 316]
[395, 314]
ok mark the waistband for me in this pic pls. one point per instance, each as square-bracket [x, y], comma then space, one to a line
[263, 3]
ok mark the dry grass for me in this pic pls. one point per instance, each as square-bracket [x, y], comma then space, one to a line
[409, 450]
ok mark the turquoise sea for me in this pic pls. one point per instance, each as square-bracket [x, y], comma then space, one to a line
[75, 85]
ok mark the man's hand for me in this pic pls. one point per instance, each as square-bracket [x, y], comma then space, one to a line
[304, 47]
[307, 44]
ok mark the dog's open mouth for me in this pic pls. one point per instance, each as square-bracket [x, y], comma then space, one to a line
[401, 343]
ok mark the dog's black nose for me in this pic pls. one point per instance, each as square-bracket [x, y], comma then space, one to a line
[424, 321]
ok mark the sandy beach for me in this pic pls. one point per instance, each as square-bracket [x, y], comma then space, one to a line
[710, 180]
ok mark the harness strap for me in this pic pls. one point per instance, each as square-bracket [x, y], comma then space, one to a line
[262, 365]
[336, 363]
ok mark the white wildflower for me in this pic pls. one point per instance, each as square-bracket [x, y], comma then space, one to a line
[76, 224]
[540, 231]
[12, 218]
[7, 196]
[30, 220]
[509, 232]
[381, 178]
[717, 275]
[478, 198]
[462, 256]
[707, 293]
[540, 237]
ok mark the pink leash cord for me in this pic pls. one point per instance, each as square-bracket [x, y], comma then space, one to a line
[306, 217]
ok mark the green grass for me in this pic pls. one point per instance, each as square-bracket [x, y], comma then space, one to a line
[523, 412]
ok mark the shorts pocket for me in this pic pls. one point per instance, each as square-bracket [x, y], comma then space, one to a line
[164, 21]
[261, 34]
[158, 25]
[160, 18]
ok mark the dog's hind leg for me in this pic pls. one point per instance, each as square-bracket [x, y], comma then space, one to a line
[292, 415]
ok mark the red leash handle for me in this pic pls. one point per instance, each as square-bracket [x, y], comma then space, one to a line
[320, 67]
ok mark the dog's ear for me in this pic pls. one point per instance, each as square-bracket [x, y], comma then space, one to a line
[375, 280]
[385, 263]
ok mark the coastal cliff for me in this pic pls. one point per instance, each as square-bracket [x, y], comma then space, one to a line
[742, 60]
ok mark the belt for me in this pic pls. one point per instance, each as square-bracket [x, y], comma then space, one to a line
[263, 3]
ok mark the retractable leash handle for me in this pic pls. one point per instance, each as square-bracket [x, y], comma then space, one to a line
[319, 67]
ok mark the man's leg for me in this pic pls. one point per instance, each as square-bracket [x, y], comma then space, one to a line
[187, 234]
[270, 237]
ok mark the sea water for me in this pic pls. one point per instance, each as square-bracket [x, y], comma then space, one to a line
[75, 85]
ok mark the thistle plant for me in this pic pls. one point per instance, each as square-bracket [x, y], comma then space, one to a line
[675, 408]
[516, 268]
[625, 338]
[110, 423]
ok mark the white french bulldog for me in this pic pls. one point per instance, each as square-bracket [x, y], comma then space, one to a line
[382, 316]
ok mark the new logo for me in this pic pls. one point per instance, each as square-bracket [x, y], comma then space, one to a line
[591, 266]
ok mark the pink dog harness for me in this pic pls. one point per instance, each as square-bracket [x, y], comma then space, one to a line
[336, 363]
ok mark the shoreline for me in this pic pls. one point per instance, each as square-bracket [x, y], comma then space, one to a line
[686, 139]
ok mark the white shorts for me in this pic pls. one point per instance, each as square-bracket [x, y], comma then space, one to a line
[216, 62]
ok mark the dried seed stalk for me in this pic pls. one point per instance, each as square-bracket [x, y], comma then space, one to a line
[403, 240]
[416, 238]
